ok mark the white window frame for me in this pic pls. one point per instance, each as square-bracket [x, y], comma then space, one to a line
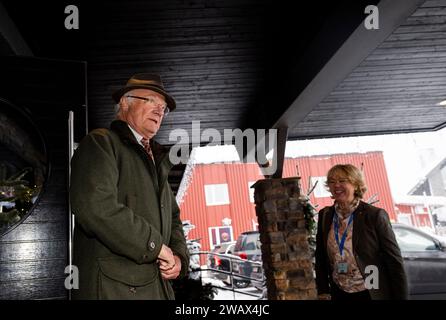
[255, 225]
[405, 219]
[216, 194]
[251, 191]
[218, 240]
[419, 209]
[320, 191]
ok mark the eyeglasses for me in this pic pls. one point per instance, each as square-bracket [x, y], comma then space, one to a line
[152, 101]
[340, 181]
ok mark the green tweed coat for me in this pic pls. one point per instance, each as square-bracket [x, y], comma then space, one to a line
[124, 211]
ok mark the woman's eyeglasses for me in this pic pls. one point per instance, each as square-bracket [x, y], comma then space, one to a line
[340, 181]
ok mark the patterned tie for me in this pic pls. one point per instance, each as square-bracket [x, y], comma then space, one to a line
[152, 168]
[146, 144]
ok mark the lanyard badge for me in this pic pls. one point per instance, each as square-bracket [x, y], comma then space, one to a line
[342, 267]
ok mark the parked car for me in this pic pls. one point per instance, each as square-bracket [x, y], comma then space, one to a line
[248, 249]
[219, 259]
[424, 261]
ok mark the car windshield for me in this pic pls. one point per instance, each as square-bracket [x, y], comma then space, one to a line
[248, 242]
[413, 241]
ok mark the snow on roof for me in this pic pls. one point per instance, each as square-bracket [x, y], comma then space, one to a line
[215, 154]
[294, 149]
[331, 146]
[420, 200]
[424, 173]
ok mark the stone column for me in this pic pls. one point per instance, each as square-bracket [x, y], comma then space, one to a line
[286, 254]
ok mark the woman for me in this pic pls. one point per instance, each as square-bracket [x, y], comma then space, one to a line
[357, 256]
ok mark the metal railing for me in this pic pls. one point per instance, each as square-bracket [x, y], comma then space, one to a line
[239, 270]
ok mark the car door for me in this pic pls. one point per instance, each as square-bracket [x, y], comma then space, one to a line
[425, 264]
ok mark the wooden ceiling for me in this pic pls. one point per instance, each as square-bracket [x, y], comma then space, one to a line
[227, 62]
[396, 88]
[209, 54]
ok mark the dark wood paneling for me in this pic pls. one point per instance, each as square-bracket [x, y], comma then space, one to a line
[29, 270]
[41, 214]
[249, 56]
[32, 250]
[40, 230]
[33, 256]
[209, 53]
[397, 87]
[49, 288]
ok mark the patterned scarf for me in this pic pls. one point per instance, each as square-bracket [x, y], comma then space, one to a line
[348, 209]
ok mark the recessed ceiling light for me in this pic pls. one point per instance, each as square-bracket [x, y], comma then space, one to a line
[442, 103]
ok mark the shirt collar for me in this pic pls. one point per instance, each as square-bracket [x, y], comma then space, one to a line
[347, 212]
[138, 137]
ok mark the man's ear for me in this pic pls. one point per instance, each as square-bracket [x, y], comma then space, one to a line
[123, 103]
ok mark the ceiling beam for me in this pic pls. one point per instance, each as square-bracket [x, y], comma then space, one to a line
[279, 152]
[355, 49]
[392, 13]
[12, 35]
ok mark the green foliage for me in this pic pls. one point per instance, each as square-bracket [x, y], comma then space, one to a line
[310, 213]
[310, 223]
[15, 189]
[11, 217]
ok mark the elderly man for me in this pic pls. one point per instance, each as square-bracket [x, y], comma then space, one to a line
[128, 240]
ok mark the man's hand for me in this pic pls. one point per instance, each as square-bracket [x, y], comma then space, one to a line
[168, 273]
[324, 296]
[165, 257]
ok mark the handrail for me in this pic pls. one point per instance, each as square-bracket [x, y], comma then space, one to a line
[232, 275]
[228, 256]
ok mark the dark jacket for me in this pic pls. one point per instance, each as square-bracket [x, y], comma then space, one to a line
[125, 211]
[374, 243]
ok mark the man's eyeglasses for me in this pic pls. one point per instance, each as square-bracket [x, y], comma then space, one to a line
[152, 101]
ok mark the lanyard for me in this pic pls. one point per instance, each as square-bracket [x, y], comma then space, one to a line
[336, 231]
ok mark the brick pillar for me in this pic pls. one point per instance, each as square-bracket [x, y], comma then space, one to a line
[285, 251]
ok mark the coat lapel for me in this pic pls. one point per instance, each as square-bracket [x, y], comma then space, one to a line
[327, 221]
[358, 224]
[163, 164]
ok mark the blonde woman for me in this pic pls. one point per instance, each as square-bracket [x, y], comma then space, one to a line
[357, 256]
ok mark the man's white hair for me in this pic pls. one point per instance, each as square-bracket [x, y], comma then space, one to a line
[118, 105]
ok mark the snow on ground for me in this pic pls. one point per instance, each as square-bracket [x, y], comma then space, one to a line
[230, 295]
[225, 292]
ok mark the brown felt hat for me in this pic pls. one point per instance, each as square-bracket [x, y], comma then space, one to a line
[145, 81]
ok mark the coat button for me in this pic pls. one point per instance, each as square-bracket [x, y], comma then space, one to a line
[152, 245]
[132, 290]
[145, 257]
[162, 206]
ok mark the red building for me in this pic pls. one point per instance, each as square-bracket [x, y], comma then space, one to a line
[222, 191]
[416, 215]
[418, 210]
